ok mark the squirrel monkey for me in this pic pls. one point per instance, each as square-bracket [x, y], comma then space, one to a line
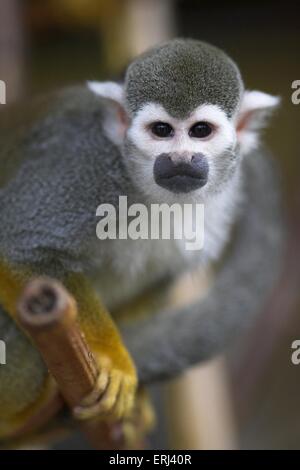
[180, 129]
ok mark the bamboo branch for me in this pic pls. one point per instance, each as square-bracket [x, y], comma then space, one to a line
[48, 313]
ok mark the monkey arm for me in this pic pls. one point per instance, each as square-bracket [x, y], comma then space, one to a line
[168, 342]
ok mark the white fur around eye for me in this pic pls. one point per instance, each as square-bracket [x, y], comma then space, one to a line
[223, 137]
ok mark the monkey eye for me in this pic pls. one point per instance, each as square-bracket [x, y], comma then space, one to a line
[200, 130]
[162, 129]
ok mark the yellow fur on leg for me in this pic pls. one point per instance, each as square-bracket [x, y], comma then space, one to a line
[12, 282]
[35, 415]
[141, 422]
[114, 394]
[22, 405]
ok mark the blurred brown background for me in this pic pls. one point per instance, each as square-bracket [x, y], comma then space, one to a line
[51, 43]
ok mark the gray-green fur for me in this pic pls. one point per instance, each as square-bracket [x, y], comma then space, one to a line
[181, 75]
[66, 168]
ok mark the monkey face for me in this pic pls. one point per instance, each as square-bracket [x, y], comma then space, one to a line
[181, 157]
[182, 120]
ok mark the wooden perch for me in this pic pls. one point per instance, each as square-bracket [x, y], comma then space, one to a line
[48, 313]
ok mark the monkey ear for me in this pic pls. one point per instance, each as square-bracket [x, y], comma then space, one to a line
[116, 119]
[255, 108]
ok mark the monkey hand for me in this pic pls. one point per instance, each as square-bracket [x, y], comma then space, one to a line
[114, 393]
[131, 433]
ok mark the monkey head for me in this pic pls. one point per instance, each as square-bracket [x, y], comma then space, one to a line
[183, 120]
